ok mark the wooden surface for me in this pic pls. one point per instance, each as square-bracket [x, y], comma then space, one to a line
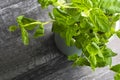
[41, 60]
[60, 68]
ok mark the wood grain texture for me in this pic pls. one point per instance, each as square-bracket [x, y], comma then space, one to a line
[41, 60]
[16, 58]
[60, 68]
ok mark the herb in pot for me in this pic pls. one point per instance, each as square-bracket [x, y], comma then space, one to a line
[90, 23]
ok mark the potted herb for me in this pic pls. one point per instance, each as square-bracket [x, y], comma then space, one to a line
[86, 24]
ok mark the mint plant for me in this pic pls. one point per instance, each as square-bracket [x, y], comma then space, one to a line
[86, 24]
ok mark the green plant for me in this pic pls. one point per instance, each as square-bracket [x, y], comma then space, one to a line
[87, 24]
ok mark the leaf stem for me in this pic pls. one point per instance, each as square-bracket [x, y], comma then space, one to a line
[48, 22]
[32, 24]
[38, 22]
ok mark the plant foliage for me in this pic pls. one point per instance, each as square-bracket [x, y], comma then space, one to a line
[90, 23]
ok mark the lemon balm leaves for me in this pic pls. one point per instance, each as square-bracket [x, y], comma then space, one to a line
[117, 76]
[13, 28]
[39, 31]
[25, 25]
[116, 68]
[25, 36]
[46, 3]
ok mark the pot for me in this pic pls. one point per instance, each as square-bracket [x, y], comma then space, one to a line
[67, 50]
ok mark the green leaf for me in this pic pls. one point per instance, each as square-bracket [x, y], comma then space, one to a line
[82, 4]
[72, 42]
[25, 38]
[51, 15]
[19, 20]
[118, 33]
[116, 68]
[94, 49]
[39, 31]
[82, 41]
[111, 6]
[13, 28]
[100, 20]
[81, 61]
[73, 57]
[93, 61]
[58, 13]
[74, 13]
[78, 44]
[68, 37]
[85, 24]
[100, 62]
[108, 61]
[59, 28]
[115, 17]
[108, 52]
[46, 3]
[117, 76]
[22, 21]
[78, 60]
[60, 24]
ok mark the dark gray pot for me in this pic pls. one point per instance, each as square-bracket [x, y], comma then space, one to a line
[60, 43]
